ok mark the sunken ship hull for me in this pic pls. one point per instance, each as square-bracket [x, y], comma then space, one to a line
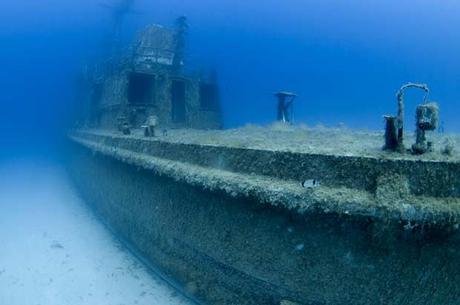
[234, 225]
[253, 217]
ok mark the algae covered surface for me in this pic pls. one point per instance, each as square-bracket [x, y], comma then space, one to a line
[273, 164]
[313, 140]
[237, 250]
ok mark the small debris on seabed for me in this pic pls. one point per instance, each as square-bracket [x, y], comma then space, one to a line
[56, 245]
[310, 183]
[299, 247]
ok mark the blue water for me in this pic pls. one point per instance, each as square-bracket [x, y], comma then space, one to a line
[345, 59]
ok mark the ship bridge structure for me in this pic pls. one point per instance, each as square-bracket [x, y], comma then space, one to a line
[150, 80]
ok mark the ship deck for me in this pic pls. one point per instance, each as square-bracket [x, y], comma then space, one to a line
[352, 175]
[318, 140]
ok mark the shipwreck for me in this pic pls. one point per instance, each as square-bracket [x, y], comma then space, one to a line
[264, 215]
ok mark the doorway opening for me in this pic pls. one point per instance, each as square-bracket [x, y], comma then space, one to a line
[141, 89]
[178, 101]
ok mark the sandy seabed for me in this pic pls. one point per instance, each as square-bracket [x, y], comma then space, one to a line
[54, 251]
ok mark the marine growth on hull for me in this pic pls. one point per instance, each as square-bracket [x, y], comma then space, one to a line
[283, 214]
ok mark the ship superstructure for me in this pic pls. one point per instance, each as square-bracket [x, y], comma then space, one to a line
[150, 80]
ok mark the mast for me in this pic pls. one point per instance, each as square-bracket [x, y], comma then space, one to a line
[119, 12]
[182, 31]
